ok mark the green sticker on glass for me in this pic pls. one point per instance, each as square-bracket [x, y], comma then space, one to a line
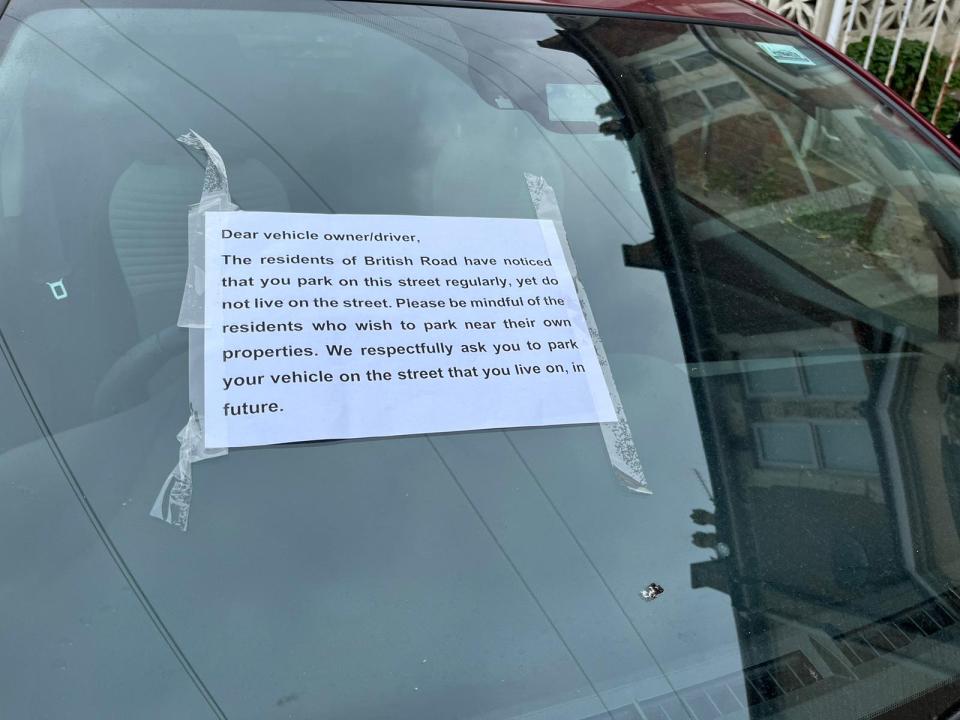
[785, 54]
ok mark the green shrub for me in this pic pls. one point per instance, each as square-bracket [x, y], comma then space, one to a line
[908, 70]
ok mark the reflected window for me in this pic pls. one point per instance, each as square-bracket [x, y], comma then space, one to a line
[846, 446]
[771, 377]
[835, 373]
[785, 444]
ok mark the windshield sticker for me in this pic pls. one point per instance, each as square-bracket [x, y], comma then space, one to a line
[345, 326]
[785, 54]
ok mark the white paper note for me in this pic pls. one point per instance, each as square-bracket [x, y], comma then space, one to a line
[346, 326]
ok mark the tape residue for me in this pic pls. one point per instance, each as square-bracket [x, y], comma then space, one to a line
[617, 436]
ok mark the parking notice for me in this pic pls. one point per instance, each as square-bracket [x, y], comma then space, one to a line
[347, 326]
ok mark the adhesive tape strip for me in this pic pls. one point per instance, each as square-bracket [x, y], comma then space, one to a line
[173, 503]
[617, 435]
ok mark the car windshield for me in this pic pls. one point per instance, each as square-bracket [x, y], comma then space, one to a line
[769, 250]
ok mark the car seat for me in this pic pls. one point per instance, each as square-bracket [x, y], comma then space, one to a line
[148, 225]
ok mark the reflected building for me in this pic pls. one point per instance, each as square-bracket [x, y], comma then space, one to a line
[817, 295]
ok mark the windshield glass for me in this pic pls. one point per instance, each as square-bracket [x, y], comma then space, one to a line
[770, 254]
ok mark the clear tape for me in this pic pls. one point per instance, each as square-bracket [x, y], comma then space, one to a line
[173, 503]
[215, 196]
[215, 174]
[616, 435]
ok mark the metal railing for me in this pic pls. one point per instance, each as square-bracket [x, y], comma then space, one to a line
[842, 22]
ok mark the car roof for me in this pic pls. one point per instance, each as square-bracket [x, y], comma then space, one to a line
[734, 12]
[738, 12]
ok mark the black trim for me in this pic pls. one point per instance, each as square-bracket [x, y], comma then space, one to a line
[644, 132]
[939, 701]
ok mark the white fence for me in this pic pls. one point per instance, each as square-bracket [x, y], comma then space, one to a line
[841, 22]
